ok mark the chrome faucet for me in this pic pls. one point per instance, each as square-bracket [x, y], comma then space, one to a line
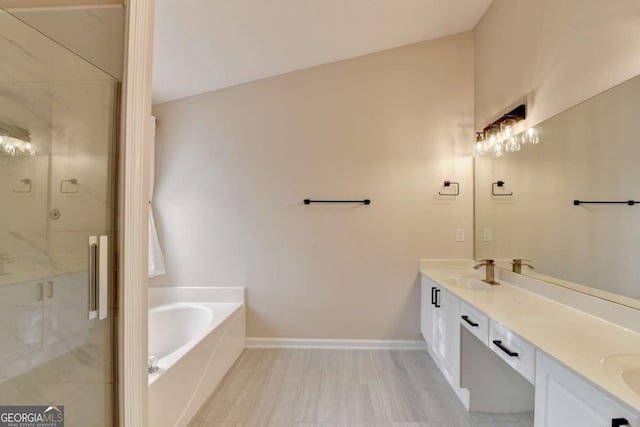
[152, 364]
[489, 268]
[518, 263]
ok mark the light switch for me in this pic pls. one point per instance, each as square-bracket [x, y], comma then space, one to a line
[486, 234]
[459, 234]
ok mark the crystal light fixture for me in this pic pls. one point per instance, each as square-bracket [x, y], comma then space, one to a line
[502, 135]
[508, 133]
[15, 142]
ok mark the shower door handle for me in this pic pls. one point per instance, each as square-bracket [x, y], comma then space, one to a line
[98, 276]
[103, 276]
[93, 277]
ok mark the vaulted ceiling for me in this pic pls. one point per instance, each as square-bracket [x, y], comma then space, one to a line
[205, 45]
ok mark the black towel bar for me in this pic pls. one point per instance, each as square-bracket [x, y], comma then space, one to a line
[365, 201]
[624, 202]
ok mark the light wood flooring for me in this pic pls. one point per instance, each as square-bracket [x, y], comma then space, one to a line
[335, 388]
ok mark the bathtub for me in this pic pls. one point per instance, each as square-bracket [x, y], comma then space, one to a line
[196, 334]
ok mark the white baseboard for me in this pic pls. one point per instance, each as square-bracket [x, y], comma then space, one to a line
[337, 344]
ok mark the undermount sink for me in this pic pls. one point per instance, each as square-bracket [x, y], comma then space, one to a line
[624, 370]
[471, 283]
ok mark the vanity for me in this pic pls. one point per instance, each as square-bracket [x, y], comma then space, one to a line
[556, 208]
[513, 347]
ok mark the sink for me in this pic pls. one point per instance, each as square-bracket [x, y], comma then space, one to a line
[471, 283]
[624, 370]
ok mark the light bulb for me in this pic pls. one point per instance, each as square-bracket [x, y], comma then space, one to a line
[508, 127]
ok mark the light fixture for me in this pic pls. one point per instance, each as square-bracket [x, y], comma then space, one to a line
[530, 136]
[15, 142]
[495, 142]
[502, 135]
[508, 133]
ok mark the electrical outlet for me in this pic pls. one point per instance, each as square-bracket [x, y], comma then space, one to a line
[486, 235]
[459, 234]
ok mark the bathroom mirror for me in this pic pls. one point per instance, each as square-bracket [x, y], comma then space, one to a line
[524, 201]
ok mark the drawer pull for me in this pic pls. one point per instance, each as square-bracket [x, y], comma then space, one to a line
[471, 322]
[498, 344]
[617, 422]
[433, 296]
[437, 292]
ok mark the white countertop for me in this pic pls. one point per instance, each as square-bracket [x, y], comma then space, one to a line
[575, 338]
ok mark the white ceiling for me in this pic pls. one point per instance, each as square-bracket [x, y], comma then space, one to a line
[205, 45]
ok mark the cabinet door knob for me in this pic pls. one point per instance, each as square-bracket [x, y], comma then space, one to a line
[618, 422]
[437, 304]
[433, 295]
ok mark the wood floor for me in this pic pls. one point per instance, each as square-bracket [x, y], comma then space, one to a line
[327, 388]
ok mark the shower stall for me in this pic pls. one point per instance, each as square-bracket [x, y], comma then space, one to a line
[58, 170]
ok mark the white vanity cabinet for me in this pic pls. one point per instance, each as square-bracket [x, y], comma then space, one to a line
[65, 310]
[563, 398]
[446, 335]
[41, 320]
[475, 322]
[21, 320]
[514, 350]
[440, 326]
[494, 369]
[427, 308]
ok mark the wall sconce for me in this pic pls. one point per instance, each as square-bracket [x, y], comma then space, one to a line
[15, 142]
[501, 136]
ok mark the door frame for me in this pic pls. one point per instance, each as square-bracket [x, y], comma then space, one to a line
[133, 215]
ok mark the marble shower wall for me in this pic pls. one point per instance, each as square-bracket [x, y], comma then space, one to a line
[72, 125]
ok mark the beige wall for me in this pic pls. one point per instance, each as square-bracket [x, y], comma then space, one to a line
[233, 167]
[553, 54]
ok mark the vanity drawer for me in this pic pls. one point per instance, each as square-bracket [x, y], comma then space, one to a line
[514, 350]
[476, 322]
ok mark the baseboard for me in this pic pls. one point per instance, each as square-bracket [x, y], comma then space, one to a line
[337, 344]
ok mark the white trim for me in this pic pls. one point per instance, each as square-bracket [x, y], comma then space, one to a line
[171, 294]
[337, 344]
[134, 215]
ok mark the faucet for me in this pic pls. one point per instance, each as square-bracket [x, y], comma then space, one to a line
[518, 263]
[152, 364]
[489, 268]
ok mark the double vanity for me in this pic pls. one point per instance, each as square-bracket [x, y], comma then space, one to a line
[523, 345]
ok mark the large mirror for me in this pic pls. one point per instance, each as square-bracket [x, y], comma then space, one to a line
[526, 200]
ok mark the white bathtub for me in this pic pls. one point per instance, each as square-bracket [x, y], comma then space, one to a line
[195, 343]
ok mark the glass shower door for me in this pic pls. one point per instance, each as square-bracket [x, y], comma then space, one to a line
[58, 129]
